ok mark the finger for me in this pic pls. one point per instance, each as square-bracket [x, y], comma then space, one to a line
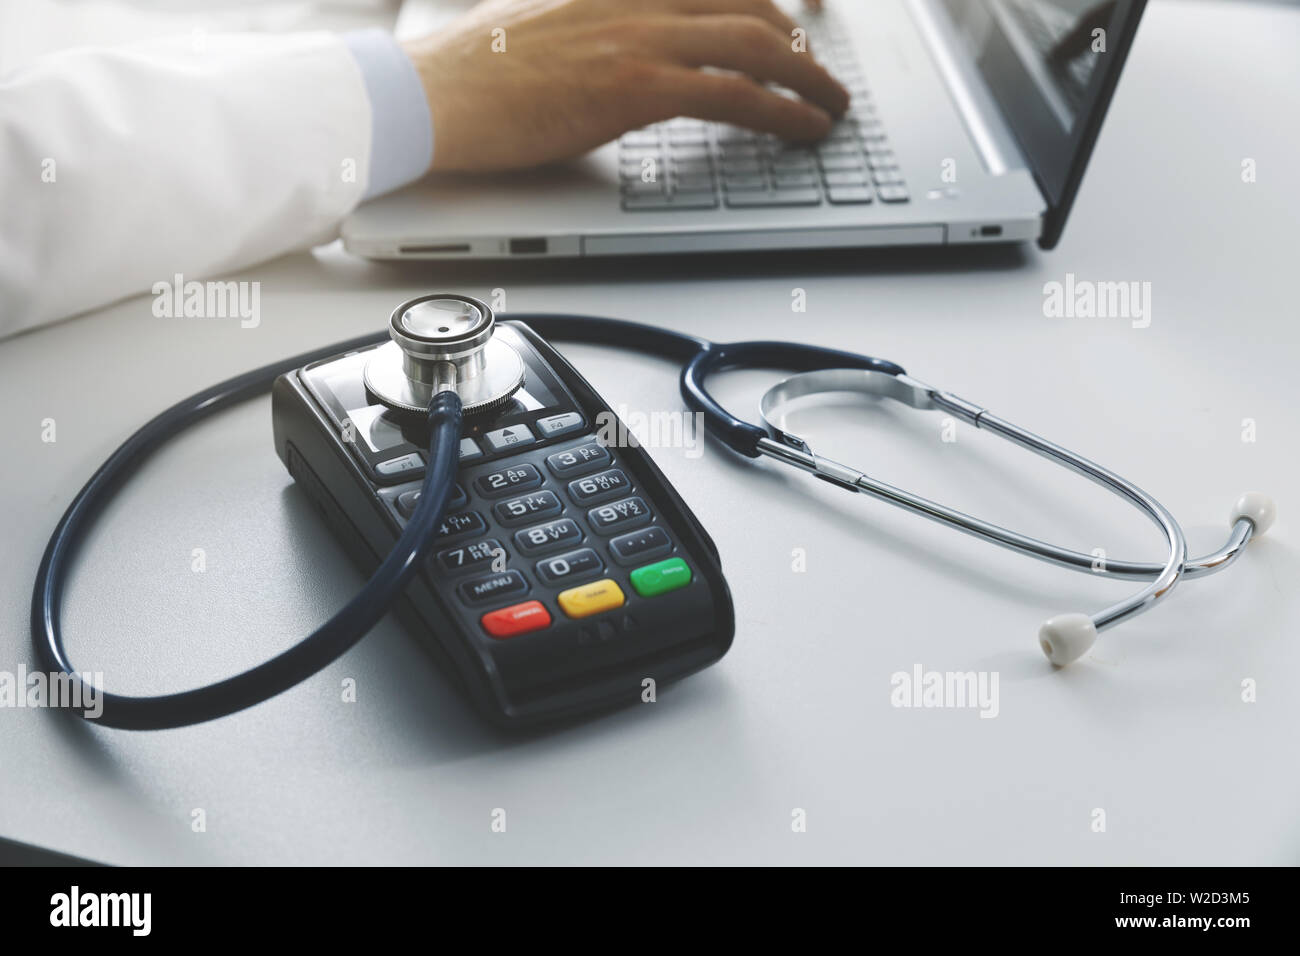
[751, 46]
[763, 9]
[732, 98]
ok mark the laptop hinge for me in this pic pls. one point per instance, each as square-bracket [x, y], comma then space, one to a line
[989, 134]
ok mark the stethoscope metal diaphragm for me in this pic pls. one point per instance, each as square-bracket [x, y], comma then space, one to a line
[444, 341]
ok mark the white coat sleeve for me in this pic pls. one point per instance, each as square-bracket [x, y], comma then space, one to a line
[121, 167]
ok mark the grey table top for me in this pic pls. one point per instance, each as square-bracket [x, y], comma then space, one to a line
[1151, 728]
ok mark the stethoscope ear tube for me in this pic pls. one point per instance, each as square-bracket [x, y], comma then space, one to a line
[1065, 637]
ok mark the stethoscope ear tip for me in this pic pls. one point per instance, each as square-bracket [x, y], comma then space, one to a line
[1066, 637]
[1257, 508]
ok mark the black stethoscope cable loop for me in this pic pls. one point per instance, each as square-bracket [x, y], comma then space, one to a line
[701, 358]
[307, 657]
[739, 435]
[638, 337]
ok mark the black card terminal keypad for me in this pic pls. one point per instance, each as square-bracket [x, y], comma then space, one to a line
[566, 572]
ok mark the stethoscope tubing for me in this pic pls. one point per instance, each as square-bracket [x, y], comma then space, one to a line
[320, 648]
[699, 359]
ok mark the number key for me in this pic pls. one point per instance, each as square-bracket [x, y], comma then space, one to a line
[527, 508]
[472, 556]
[546, 537]
[506, 480]
[619, 515]
[604, 484]
[574, 461]
[570, 567]
[460, 524]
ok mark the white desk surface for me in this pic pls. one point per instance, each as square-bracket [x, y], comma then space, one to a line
[1150, 727]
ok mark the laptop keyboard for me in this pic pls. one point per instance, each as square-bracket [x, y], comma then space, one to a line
[692, 164]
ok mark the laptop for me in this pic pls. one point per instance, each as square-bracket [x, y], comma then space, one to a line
[972, 121]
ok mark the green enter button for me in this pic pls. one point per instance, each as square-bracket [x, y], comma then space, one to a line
[661, 577]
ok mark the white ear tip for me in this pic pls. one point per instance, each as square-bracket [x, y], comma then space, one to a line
[1066, 637]
[1256, 507]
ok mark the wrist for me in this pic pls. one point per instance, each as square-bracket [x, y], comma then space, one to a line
[423, 60]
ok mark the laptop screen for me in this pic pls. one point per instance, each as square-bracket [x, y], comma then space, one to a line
[1052, 66]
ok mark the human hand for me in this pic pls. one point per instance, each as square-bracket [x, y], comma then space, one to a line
[515, 83]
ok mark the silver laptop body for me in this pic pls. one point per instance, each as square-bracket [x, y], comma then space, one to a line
[972, 122]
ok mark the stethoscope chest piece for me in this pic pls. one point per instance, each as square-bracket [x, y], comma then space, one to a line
[444, 341]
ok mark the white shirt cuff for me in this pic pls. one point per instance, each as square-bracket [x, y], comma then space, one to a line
[401, 129]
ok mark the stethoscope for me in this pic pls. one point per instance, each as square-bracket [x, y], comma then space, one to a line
[447, 369]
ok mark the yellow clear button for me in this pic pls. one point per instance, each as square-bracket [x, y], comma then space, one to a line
[588, 599]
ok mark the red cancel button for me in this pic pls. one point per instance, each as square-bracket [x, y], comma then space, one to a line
[516, 619]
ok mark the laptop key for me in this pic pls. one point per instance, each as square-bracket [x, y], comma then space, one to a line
[688, 137]
[794, 180]
[638, 188]
[690, 154]
[850, 178]
[665, 202]
[693, 184]
[892, 193]
[695, 200]
[842, 195]
[734, 135]
[638, 203]
[842, 163]
[628, 154]
[693, 168]
[640, 137]
[793, 166]
[793, 159]
[848, 147]
[745, 150]
[775, 197]
[634, 164]
[742, 183]
[887, 177]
